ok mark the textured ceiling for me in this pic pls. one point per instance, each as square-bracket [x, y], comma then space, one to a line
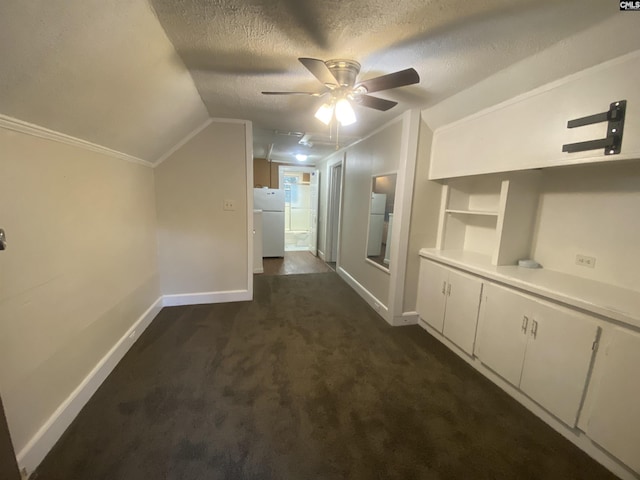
[113, 73]
[237, 48]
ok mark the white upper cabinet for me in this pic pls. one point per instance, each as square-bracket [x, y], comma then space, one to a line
[529, 131]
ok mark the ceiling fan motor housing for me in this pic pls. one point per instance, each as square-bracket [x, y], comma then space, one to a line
[345, 71]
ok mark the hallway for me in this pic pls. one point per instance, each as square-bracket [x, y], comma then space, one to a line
[294, 262]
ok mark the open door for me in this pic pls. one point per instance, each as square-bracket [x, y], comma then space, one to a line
[8, 465]
[314, 183]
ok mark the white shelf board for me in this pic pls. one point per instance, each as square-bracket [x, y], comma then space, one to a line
[472, 212]
[599, 298]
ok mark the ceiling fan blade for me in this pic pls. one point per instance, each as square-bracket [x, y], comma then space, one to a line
[375, 102]
[312, 94]
[392, 80]
[319, 70]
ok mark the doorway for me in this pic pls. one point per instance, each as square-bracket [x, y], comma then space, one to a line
[300, 185]
[334, 200]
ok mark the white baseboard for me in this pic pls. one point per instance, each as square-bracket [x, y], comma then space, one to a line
[368, 297]
[574, 435]
[259, 269]
[45, 438]
[407, 318]
[321, 255]
[206, 297]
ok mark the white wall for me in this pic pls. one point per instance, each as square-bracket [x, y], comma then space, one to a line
[79, 270]
[591, 210]
[204, 249]
[375, 155]
[424, 216]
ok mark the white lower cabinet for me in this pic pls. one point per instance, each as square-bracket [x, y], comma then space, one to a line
[448, 300]
[614, 417]
[542, 348]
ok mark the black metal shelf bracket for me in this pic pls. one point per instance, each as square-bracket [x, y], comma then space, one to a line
[613, 141]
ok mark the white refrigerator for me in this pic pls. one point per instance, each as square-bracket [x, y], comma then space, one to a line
[271, 202]
[376, 224]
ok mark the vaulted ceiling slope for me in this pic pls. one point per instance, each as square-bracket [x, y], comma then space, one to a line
[103, 71]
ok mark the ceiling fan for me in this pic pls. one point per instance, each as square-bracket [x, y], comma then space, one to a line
[339, 80]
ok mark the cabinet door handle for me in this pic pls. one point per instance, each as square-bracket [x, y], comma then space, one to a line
[525, 323]
[534, 329]
[444, 287]
[449, 290]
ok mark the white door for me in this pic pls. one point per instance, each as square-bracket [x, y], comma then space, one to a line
[558, 358]
[463, 302]
[313, 211]
[502, 331]
[614, 420]
[432, 288]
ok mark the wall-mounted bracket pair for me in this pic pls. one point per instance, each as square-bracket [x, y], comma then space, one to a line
[615, 127]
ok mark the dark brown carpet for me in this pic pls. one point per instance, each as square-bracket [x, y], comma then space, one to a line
[305, 382]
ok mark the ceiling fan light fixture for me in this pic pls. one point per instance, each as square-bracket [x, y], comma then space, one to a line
[325, 113]
[344, 112]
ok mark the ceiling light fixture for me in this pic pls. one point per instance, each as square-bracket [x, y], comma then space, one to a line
[301, 157]
[325, 113]
[344, 112]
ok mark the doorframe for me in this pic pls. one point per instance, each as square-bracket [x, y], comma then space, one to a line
[334, 211]
[303, 169]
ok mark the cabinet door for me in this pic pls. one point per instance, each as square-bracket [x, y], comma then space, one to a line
[614, 422]
[461, 317]
[502, 339]
[432, 286]
[557, 360]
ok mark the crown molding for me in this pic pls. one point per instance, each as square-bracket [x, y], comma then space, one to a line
[13, 124]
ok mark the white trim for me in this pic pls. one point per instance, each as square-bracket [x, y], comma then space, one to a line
[407, 318]
[207, 297]
[15, 125]
[45, 438]
[321, 255]
[331, 209]
[384, 268]
[249, 187]
[182, 142]
[574, 435]
[368, 297]
[402, 211]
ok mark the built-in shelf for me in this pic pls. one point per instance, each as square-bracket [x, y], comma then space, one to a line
[609, 301]
[489, 214]
[471, 212]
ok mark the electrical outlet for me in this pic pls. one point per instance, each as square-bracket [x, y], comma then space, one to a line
[585, 261]
[229, 205]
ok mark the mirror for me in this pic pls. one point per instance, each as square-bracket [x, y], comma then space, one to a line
[383, 195]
